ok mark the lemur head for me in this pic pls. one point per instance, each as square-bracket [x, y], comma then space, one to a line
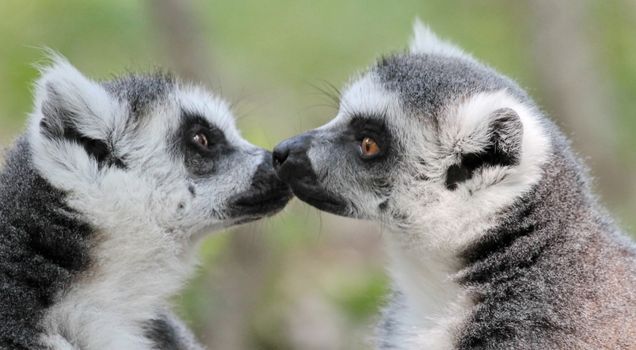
[425, 138]
[145, 152]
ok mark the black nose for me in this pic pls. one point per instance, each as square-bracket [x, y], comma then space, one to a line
[291, 149]
[265, 175]
[279, 156]
[290, 158]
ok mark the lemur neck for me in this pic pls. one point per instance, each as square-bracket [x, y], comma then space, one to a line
[132, 276]
[123, 291]
[557, 209]
[425, 280]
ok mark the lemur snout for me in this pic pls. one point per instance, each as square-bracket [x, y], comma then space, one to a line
[281, 152]
[291, 161]
[266, 195]
[265, 175]
[293, 166]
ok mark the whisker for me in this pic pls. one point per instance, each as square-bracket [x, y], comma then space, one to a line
[328, 90]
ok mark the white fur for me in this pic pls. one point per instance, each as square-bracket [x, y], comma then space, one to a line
[464, 131]
[93, 110]
[422, 264]
[424, 41]
[365, 96]
[440, 222]
[433, 303]
[147, 222]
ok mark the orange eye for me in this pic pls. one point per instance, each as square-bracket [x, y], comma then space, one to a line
[369, 147]
[200, 139]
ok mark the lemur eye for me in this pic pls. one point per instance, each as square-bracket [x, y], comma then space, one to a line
[200, 139]
[369, 147]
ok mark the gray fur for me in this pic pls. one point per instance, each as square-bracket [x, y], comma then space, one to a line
[426, 83]
[43, 247]
[141, 90]
[545, 268]
[555, 273]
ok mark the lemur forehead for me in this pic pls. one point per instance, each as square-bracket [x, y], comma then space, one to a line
[367, 97]
[427, 83]
[197, 100]
[140, 91]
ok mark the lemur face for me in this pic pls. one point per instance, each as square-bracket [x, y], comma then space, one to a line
[148, 151]
[420, 136]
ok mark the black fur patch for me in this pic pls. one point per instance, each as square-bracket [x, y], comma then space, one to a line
[162, 334]
[200, 161]
[362, 126]
[503, 149]
[43, 246]
[55, 115]
[457, 173]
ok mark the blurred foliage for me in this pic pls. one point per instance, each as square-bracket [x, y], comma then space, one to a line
[266, 58]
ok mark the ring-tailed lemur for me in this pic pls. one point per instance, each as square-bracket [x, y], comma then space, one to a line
[495, 239]
[103, 200]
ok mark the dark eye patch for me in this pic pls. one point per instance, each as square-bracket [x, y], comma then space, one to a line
[362, 126]
[213, 136]
[194, 124]
[199, 159]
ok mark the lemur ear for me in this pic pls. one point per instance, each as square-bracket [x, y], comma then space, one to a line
[69, 106]
[502, 147]
[424, 41]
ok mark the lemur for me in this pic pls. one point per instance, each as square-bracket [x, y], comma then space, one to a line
[103, 200]
[494, 237]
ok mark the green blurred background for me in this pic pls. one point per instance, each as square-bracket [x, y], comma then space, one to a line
[306, 280]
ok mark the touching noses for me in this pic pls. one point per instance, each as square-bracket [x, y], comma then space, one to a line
[290, 158]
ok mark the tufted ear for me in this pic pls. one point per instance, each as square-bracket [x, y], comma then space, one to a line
[424, 41]
[502, 147]
[70, 107]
